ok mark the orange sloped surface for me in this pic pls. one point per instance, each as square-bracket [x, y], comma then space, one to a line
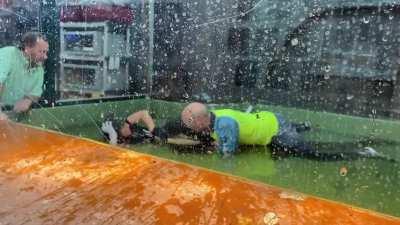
[48, 178]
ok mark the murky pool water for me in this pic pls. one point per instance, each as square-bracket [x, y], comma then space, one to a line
[368, 183]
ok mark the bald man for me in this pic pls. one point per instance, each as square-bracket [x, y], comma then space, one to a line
[231, 128]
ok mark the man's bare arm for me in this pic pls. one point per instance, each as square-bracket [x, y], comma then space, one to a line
[25, 103]
[32, 98]
[144, 117]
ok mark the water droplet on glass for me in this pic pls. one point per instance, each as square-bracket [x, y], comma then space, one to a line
[294, 42]
[327, 68]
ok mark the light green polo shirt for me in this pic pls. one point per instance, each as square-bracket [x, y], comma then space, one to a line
[17, 78]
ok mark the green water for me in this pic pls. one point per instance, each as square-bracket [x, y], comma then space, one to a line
[369, 183]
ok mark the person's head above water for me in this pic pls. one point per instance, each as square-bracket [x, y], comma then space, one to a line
[196, 116]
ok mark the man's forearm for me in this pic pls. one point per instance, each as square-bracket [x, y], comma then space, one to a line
[143, 116]
[32, 98]
[1, 92]
[24, 104]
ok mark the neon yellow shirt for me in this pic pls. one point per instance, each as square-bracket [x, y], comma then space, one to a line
[232, 127]
[17, 79]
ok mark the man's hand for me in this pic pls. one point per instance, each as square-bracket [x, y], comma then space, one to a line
[108, 128]
[22, 105]
[3, 116]
[226, 155]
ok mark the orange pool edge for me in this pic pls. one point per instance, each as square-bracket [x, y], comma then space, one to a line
[50, 178]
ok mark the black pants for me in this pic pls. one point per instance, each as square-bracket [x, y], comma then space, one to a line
[289, 142]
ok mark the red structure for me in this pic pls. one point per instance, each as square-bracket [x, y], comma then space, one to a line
[97, 13]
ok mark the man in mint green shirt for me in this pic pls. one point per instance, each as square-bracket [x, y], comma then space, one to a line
[21, 72]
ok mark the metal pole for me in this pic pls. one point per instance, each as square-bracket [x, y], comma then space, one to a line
[150, 71]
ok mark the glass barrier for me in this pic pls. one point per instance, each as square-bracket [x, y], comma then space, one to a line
[330, 65]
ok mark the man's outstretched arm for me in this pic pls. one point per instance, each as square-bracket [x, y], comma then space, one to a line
[227, 130]
[142, 116]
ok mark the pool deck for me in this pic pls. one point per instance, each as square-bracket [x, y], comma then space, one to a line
[50, 178]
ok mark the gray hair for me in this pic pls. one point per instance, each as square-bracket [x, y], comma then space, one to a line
[30, 39]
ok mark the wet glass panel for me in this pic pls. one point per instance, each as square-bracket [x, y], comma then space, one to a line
[332, 64]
